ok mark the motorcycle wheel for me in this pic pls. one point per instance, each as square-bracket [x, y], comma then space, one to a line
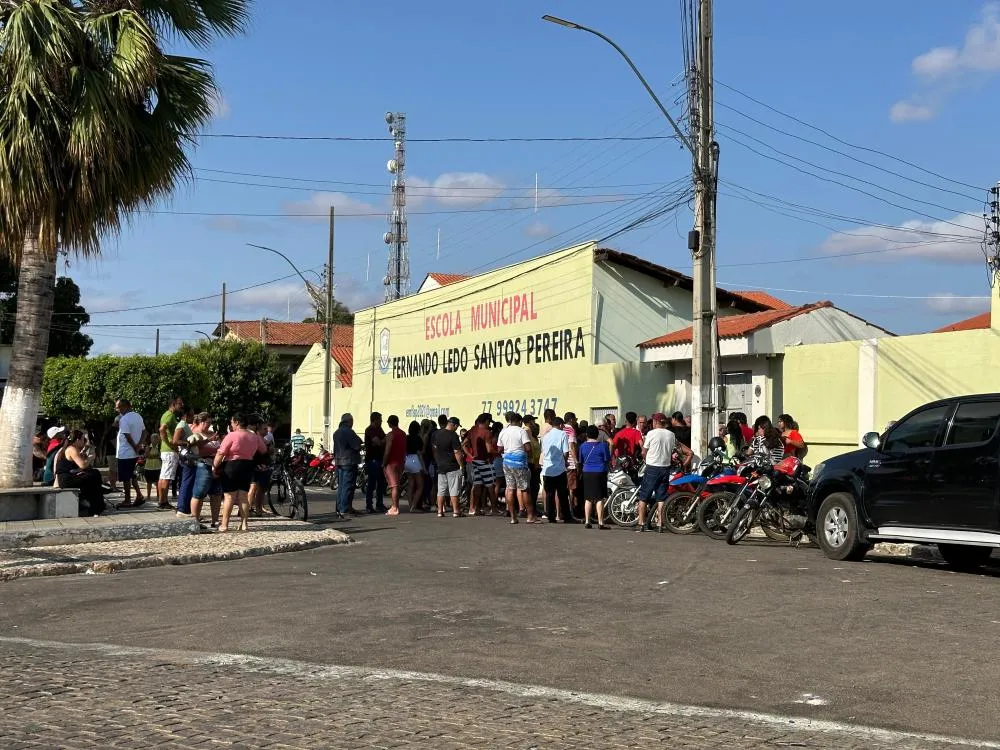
[680, 513]
[624, 511]
[741, 526]
[710, 513]
[771, 525]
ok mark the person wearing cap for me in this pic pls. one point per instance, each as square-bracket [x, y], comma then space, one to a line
[657, 450]
[347, 457]
[448, 458]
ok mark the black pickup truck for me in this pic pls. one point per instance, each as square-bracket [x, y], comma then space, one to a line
[932, 478]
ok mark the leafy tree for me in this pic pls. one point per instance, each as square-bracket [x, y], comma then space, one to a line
[94, 117]
[340, 316]
[65, 339]
[83, 391]
[244, 376]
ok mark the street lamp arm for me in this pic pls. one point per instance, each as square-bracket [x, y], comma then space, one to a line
[571, 25]
[287, 260]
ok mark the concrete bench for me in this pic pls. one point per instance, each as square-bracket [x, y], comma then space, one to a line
[29, 503]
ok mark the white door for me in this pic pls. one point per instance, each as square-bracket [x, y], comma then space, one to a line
[736, 394]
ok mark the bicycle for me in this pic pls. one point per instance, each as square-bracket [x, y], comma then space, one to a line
[286, 495]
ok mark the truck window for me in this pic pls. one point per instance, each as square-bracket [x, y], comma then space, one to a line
[916, 432]
[974, 422]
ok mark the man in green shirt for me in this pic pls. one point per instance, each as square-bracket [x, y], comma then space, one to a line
[168, 450]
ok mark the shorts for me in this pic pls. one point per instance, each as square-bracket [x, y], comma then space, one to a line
[482, 473]
[152, 475]
[595, 485]
[262, 478]
[497, 467]
[205, 482]
[237, 475]
[655, 483]
[572, 480]
[450, 483]
[517, 478]
[412, 464]
[168, 466]
[126, 468]
[393, 475]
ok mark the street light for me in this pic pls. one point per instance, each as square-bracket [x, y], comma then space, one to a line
[288, 261]
[204, 334]
[572, 25]
[704, 362]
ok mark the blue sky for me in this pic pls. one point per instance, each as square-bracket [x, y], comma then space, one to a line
[919, 86]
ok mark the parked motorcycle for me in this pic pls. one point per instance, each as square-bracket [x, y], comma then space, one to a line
[717, 501]
[623, 490]
[680, 514]
[774, 501]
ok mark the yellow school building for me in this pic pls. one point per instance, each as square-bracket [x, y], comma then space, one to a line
[560, 331]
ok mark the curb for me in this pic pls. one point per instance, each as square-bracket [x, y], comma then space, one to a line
[88, 534]
[156, 561]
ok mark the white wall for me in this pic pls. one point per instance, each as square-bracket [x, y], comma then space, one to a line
[823, 326]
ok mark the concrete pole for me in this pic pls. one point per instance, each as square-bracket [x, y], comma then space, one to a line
[328, 343]
[704, 363]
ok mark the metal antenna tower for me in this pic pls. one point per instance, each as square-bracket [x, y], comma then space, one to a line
[397, 276]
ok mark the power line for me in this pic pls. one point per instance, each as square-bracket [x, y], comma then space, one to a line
[828, 134]
[852, 294]
[846, 155]
[449, 189]
[842, 174]
[367, 214]
[193, 299]
[381, 139]
[845, 185]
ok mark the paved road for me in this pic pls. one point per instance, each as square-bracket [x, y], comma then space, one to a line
[660, 618]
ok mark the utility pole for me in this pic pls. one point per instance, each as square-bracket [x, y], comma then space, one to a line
[328, 342]
[704, 362]
[222, 324]
[157, 342]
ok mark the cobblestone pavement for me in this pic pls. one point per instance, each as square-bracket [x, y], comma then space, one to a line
[78, 696]
[266, 536]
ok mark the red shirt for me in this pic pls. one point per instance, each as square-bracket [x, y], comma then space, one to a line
[747, 431]
[790, 449]
[628, 442]
[397, 451]
[481, 443]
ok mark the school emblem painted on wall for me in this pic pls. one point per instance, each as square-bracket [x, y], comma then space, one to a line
[384, 360]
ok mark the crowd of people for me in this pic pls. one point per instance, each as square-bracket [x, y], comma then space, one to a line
[183, 453]
[509, 466]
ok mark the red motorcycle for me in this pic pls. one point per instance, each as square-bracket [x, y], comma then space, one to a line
[322, 469]
[718, 499]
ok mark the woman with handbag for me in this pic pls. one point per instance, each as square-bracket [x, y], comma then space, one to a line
[74, 470]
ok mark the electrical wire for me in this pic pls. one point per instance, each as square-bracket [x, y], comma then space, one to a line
[381, 139]
[854, 294]
[830, 135]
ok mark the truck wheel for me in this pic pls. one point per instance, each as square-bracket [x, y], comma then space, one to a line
[837, 529]
[962, 557]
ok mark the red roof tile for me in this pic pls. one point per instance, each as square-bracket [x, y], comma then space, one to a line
[288, 334]
[768, 300]
[736, 326]
[344, 357]
[975, 323]
[447, 278]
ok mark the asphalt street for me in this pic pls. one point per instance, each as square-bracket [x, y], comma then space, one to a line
[758, 627]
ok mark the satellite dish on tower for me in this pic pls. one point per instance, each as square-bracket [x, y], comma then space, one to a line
[392, 166]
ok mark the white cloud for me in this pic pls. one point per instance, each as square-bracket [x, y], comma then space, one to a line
[99, 301]
[238, 225]
[930, 240]
[538, 229]
[941, 71]
[904, 111]
[950, 304]
[318, 206]
[220, 107]
[455, 189]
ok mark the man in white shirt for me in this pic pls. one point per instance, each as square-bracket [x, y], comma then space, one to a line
[657, 450]
[514, 444]
[128, 449]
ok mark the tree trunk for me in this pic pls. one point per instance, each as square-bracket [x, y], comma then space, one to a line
[19, 411]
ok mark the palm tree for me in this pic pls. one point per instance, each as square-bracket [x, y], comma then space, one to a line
[94, 119]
